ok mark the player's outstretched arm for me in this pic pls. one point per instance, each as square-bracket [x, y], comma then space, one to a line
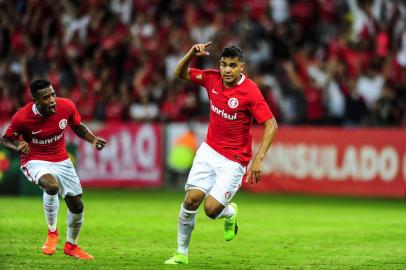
[20, 147]
[84, 132]
[255, 171]
[181, 70]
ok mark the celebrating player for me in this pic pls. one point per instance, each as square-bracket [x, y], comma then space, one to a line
[220, 163]
[36, 132]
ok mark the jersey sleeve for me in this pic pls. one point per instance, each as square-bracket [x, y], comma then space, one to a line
[75, 118]
[258, 107]
[201, 77]
[14, 129]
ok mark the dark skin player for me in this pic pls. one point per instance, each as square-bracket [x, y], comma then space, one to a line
[45, 102]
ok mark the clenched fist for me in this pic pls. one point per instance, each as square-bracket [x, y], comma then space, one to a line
[23, 148]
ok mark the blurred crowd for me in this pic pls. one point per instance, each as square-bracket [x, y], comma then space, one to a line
[318, 62]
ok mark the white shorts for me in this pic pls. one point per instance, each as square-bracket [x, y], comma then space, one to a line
[63, 171]
[215, 174]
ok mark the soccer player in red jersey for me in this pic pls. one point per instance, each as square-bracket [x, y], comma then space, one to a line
[220, 162]
[37, 132]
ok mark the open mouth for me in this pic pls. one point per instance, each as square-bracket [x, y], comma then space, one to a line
[52, 108]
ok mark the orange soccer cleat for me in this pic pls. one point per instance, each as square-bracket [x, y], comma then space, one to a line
[76, 251]
[49, 246]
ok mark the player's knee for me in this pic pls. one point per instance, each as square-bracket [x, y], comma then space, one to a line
[49, 184]
[77, 208]
[211, 212]
[52, 188]
[191, 204]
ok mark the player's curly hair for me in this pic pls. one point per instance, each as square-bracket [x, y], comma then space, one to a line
[233, 52]
[37, 85]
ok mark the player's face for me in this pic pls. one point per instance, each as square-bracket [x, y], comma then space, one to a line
[45, 101]
[230, 69]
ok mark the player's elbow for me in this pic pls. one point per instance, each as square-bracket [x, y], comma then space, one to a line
[181, 72]
[176, 73]
[179, 75]
[275, 124]
[271, 124]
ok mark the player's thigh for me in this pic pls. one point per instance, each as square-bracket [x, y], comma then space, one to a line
[228, 181]
[69, 183]
[202, 173]
[40, 173]
[34, 170]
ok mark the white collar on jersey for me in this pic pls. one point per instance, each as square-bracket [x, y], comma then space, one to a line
[241, 80]
[35, 110]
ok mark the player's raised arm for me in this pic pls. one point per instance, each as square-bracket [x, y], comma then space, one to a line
[255, 171]
[181, 70]
[84, 132]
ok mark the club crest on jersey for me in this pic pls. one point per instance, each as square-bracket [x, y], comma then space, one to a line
[199, 76]
[233, 103]
[63, 123]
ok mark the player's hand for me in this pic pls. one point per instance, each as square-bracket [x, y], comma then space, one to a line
[23, 148]
[200, 49]
[255, 171]
[99, 143]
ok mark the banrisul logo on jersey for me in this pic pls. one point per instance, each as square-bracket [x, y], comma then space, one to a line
[49, 140]
[63, 123]
[233, 103]
[222, 113]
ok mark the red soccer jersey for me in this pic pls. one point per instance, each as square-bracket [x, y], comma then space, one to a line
[45, 135]
[231, 113]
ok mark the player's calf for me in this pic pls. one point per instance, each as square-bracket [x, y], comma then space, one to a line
[212, 211]
[212, 207]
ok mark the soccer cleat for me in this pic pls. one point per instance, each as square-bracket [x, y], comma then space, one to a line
[178, 258]
[76, 251]
[230, 224]
[49, 246]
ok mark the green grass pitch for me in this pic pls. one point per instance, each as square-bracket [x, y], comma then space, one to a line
[137, 230]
